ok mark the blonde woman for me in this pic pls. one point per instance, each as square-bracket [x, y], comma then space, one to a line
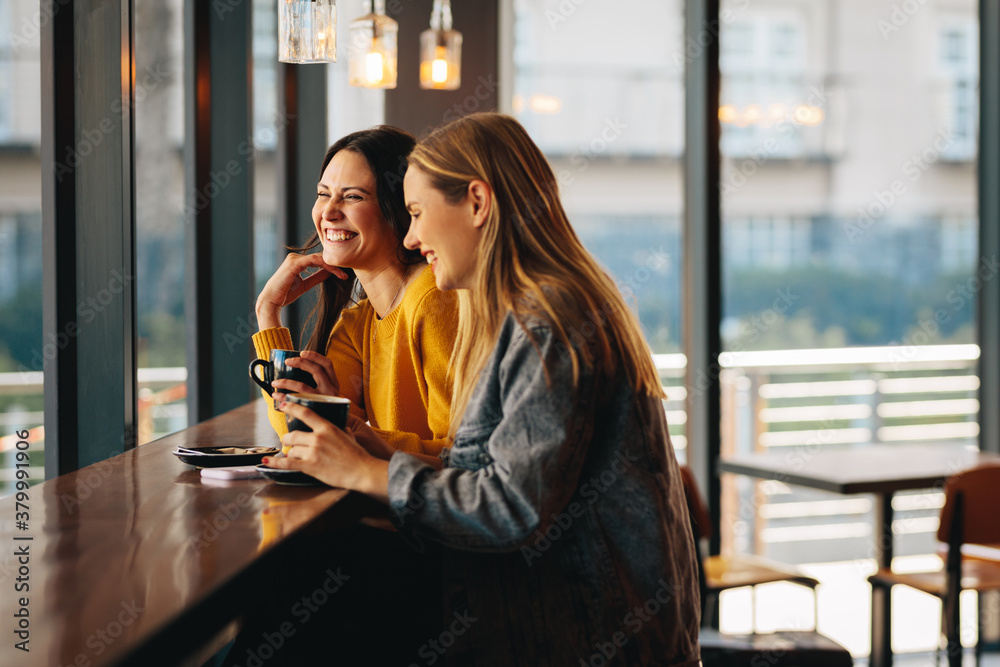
[559, 503]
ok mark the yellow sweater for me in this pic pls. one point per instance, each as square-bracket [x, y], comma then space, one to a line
[396, 374]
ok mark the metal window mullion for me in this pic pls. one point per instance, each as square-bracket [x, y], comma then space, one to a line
[988, 320]
[702, 250]
[218, 211]
[301, 146]
[59, 228]
[88, 344]
[129, 306]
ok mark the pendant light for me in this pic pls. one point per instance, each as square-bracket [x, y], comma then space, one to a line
[441, 51]
[307, 31]
[372, 59]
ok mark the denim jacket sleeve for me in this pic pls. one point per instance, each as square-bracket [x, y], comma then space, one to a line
[516, 457]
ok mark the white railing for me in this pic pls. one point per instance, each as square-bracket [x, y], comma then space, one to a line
[161, 410]
[852, 395]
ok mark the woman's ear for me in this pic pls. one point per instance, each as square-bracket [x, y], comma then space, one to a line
[481, 200]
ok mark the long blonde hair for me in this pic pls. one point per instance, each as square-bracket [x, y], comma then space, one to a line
[529, 260]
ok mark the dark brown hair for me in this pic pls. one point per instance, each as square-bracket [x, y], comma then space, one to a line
[384, 149]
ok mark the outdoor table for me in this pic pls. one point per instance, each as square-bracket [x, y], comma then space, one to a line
[879, 469]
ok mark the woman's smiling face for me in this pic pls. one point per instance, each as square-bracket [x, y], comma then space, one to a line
[446, 234]
[347, 216]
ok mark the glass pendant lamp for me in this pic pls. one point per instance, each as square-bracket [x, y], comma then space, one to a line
[307, 31]
[372, 59]
[441, 51]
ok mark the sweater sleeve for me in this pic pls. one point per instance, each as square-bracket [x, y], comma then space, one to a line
[432, 337]
[276, 338]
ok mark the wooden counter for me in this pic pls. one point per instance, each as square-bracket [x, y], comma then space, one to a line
[137, 560]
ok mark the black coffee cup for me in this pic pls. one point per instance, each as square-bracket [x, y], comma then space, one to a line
[277, 369]
[334, 409]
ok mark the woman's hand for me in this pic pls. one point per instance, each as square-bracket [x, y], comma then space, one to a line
[331, 455]
[316, 364]
[369, 439]
[288, 284]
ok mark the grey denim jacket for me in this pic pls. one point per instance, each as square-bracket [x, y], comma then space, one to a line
[560, 551]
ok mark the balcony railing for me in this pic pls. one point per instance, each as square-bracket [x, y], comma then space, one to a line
[837, 398]
[162, 410]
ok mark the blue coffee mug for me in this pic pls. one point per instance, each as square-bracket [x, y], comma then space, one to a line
[275, 368]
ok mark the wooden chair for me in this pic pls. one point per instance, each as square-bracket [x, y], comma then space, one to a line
[785, 648]
[720, 573]
[791, 648]
[967, 518]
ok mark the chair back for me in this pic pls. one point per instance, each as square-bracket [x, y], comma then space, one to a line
[701, 527]
[701, 521]
[979, 488]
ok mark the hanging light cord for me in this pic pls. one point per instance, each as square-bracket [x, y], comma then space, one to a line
[441, 15]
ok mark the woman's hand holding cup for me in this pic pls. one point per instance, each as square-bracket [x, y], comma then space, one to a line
[317, 365]
[324, 450]
[277, 369]
[325, 411]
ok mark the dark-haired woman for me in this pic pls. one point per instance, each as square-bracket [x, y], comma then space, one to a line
[388, 353]
[382, 337]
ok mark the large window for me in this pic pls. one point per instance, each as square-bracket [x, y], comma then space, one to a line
[849, 223]
[159, 208]
[23, 353]
[609, 116]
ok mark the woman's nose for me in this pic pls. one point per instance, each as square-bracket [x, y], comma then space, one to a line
[332, 209]
[410, 241]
